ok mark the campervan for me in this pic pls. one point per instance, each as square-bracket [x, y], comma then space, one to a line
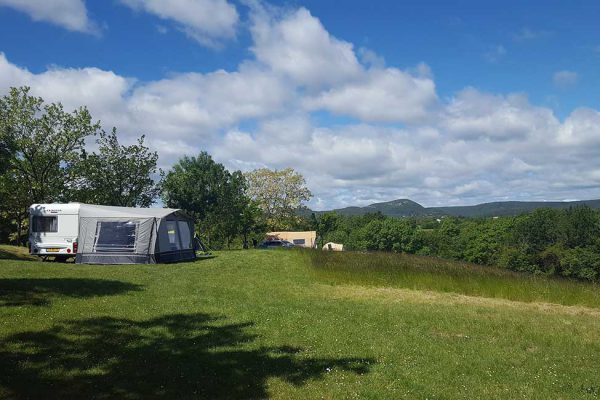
[53, 230]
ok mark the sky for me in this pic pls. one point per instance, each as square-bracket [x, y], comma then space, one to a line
[443, 102]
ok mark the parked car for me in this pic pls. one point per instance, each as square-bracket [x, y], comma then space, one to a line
[272, 244]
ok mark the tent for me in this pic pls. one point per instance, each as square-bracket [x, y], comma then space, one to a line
[123, 235]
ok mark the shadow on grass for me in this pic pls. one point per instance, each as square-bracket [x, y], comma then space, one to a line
[12, 255]
[175, 356]
[40, 292]
[200, 257]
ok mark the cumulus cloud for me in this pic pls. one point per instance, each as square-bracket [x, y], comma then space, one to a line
[101, 91]
[473, 115]
[69, 14]
[565, 79]
[278, 109]
[298, 46]
[382, 95]
[206, 21]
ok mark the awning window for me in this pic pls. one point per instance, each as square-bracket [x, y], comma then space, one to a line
[115, 236]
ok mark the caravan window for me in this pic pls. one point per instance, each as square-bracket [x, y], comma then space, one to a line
[173, 236]
[186, 237]
[112, 236]
[44, 224]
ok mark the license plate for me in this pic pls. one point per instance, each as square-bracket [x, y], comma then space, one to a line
[52, 250]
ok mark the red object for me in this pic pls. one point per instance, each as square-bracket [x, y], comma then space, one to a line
[74, 247]
[68, 250]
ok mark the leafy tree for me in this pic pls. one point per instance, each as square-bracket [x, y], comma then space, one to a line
[252, 223]
[213, 195]
[46, 140]
[6, 147]
[117, 175]
[580, 226]
[14, 208]
[535, 231]
[325, 224]
[279, 194]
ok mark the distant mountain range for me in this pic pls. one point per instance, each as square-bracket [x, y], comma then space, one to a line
[409, 208]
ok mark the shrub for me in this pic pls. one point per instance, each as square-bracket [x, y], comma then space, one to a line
[581, 263]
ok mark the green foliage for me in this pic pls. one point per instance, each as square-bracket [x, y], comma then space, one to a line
[39, 146]
[117, 175]
[581, 263]
[546, 241]
[279, 194]
[214, 196]
[47, 142]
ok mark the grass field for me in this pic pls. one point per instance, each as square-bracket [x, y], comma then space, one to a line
[281, 324]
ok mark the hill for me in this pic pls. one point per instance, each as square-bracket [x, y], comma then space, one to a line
[409, 208]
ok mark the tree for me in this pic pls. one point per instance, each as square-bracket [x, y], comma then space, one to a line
[46, 141]
[117, 175]
[14, 207]
[325, 224]
[252, 222]
[6, 148]
[279, 194]
[213, 195]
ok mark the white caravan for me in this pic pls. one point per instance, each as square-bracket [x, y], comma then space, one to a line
[53, 230]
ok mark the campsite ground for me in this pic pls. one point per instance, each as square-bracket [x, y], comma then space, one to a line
[257, 324]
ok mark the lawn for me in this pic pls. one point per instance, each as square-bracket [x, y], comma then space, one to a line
[277, 324]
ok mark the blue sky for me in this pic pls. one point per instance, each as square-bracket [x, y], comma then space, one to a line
[464, 101]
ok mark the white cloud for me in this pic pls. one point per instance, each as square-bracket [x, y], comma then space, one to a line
[565, 79]
[582, 127]
[206, 21]
[69, 14]
[101, 91]
[473, 115]
[472, 147]
[196, 104]
[298, 46]
[388, 95]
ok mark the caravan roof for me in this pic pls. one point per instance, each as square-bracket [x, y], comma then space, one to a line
[87, 210]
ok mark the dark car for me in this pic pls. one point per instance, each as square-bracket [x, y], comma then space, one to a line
[272, 244]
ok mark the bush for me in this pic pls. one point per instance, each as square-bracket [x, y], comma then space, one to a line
[515, 260]
[581, 263]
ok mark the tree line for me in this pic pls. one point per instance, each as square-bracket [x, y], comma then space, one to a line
[44, 159]
[546, 241]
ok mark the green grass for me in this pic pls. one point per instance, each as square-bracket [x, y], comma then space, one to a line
[265, 324]
[429, 273]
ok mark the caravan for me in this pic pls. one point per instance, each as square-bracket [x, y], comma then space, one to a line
[95, 234]
[53, 230]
